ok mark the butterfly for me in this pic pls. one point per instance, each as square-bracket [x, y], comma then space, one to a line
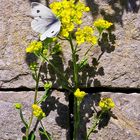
[44, 22]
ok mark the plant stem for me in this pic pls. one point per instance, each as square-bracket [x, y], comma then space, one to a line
[48, 137]
[35, 99]
[88, 51]
[75, 78]
[37, 83]
[75, 73]
[44, 97]
[77, 119]
[92, 129]
[22, 118]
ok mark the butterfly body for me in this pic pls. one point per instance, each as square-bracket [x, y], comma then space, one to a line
[45, 22]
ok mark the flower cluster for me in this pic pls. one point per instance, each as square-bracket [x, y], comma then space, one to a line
[102, 24]
[18, 105]
[47, 85]
[70, 14]
[37, 111]
[85, 35]
[33, 66]
[106, 104]
[34, 46]
[79, 94]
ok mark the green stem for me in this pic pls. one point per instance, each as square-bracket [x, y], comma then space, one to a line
[37, 83]
[35, 99]
[88, 50]
[75, 73]
[92, 129]
[76, 119]
[30, 122]
[48, 137]
[44, 97]
[76, 84]
[22, 118]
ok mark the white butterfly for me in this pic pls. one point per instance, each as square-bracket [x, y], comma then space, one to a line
[45, 22]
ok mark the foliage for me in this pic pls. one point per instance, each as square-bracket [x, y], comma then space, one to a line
[70, 15]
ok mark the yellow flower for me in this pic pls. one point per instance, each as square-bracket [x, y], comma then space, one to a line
[87, 9]
[69, 13]
[85, 35]
[37, 111]
[106, 104]
[64, 33]
[79, 94]
[102, 24]
[34, 46]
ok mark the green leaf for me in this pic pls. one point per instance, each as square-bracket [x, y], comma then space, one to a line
[44, 134]
[23, 120]
[47, 42]
[31, 136]
[24, 138]
[44, 97]
[57, 49]
[82, 63]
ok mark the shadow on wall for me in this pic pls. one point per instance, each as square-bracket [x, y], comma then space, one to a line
[118, 6]
[87, 78]
[88, 73]
[34, 1]
[52, 104]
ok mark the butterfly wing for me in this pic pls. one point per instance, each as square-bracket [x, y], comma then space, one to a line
[45, 22]
[39, 25]
[52, 30]
[39, 10]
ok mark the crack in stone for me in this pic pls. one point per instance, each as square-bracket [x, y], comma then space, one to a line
[14, 78]
[126, 90]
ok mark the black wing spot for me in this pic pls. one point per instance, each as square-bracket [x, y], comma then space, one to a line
[37, 11]
[52, 32]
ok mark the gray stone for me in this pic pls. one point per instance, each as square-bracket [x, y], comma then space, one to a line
[55, 108]
[125, 121]
[125, 124]
[14, 38]
[118, 64]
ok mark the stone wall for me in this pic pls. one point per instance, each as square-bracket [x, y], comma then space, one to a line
[118, 67]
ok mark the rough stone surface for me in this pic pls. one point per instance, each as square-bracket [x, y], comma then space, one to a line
[118, 65]
[125, 126]
[114, 64]
[56, 109]
[15, 34]
[126, 121]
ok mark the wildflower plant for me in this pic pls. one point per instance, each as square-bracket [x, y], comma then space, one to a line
[70, 13]
[105, 104]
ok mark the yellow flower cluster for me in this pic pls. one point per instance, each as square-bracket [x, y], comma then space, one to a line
[102, 24]
[34, 46]
[85, 35]
[37, 111]
[106, 104]
[69, 13]
[79, 94]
